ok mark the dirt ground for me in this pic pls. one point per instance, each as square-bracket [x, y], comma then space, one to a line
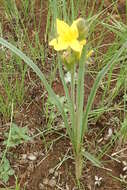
[53, 168]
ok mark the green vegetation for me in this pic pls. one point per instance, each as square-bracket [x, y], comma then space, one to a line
[67, 109]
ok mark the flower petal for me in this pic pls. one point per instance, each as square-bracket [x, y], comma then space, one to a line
[83, 42]
[62, 27]
[58, 44]
[74, 31]
[61, 45]
[75, 45]
[53, 42]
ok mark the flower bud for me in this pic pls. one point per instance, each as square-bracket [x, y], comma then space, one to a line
[82, 28]
[69, 59]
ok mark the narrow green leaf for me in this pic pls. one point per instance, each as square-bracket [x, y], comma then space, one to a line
[93, 159]
[35, 68]
[80, 98]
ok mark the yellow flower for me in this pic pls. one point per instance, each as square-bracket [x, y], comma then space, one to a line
[67, 37]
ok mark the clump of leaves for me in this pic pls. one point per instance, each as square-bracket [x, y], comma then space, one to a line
[18, 136]
[5, 170]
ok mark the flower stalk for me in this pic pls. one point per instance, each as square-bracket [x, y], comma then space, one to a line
[78, 165]
[73, 85]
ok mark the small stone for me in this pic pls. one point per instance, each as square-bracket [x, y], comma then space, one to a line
[37, 98]
[52, 183]
[45, 181]
[51, 171]
[56, 174]
[36, 154]
[41, 153]
[31, 157]
[110, 132]
[125, 168]
[75, 188]
[41, 186]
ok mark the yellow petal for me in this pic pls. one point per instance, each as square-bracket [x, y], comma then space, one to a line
[74, 31]
[53, 42]
[62, 27]
[58, 44]
[75, 45]
[61, 45]
[83, 42]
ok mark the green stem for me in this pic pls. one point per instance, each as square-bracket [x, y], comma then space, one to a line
[78, 165]
[79, 115]
[73, 102]
[78, 132]
[73, 86]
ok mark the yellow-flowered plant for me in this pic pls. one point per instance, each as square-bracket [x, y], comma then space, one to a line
[71, 42]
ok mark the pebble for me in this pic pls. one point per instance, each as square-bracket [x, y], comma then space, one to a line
[52, 183]
[56, 174]
[45, 181]
[51, 171]
[24, 156]
[31, 157]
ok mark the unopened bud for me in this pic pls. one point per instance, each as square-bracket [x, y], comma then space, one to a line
[90, 53]
[69, 59]
[82, 28]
